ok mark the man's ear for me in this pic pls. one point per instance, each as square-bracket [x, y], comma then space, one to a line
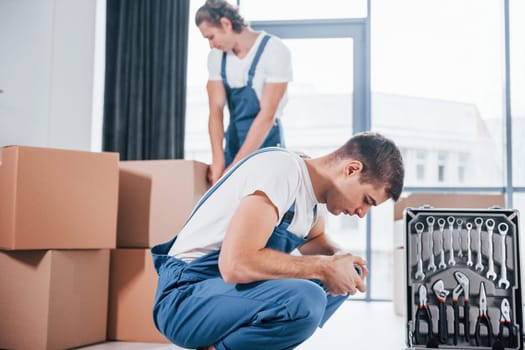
[226, 23]
[353, 167]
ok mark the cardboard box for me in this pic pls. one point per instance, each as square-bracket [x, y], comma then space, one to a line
[436, 200]
[54, 299]
[57, 199]
[156, 198]
[133, 282]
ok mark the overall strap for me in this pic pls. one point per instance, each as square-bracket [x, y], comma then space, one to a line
[223, 70]
[288, 216]
[258, 54]
[222, 179]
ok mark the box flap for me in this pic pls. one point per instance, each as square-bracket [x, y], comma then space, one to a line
[448, 200]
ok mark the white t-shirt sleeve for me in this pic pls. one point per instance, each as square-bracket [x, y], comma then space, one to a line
[214, 64]
[278, 62]
[279, 181]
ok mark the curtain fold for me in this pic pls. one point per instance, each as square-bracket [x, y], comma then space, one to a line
[145, 87]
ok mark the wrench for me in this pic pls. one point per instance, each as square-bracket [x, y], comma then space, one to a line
[451, 260]
[503, 228]
[460, 227]
[491, 273]
[479, 224]
[441, 223]
[469, 252]
[430, 222]
[419, 229]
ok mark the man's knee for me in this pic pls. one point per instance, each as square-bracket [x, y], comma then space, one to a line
[307, 302]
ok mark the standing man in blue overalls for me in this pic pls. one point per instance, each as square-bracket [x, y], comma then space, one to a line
[250, 71]
[228, 280]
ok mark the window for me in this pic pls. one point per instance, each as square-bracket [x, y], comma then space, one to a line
[462, 164]
[442, 162]
[441, 84]
[439, 87]
[421, 159]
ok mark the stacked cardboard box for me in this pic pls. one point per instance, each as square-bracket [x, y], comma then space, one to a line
[58, 214]
[155, 199]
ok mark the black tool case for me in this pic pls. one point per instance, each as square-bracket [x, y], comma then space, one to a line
[466, 294]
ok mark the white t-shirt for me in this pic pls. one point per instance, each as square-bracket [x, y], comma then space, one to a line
[281, 174]
[274, 66]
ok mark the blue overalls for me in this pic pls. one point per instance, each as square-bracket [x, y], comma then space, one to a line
[194, 307]
[244, 106]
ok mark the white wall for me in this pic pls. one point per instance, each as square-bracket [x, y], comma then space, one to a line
[51, 72]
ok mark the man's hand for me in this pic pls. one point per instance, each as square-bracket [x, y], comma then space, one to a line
[215, 171]
[341, 277]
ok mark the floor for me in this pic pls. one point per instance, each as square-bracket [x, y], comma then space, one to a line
[357, 325]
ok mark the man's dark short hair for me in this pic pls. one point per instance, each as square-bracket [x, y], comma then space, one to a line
[381, 158]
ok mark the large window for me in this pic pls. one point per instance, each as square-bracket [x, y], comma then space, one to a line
[437, 88]
[437, 84]
[318, 117]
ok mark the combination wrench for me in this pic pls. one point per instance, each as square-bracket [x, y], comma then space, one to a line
[430, 222]
[479, 225]
[441, 224]
[469, 251]
[419, 251]
[451, 260]
[460, 239]
[503, 281]
[491, 274]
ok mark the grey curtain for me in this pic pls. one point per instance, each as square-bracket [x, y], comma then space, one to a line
[145, 86]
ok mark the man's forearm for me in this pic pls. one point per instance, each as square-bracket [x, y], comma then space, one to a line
[271, 264]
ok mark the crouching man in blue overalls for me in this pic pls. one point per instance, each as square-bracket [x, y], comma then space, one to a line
[227, 280]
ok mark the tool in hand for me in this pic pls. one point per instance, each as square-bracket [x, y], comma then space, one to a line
[441, 224]
[469, 251]
[463, 287]
[503, 281]
[507, 331]
[359, 270]
[430, 222]
[460, 240]
[491, 273]
[441, 295]
[483, 318]
[479, 264]
[423, 315]
[451, 260]
[419, 272]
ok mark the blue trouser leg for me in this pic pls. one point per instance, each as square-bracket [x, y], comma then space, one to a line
[276, 314]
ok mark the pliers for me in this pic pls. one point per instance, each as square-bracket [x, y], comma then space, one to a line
[506, 323]
[483, 318]
[423, 315]
[441, 295]
[463, 287]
